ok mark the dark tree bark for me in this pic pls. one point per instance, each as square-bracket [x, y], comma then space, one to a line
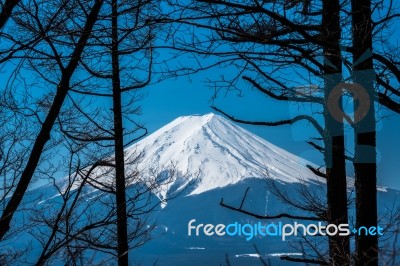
[46, 128]
[335, 161]
[122, 225]
[365, 136]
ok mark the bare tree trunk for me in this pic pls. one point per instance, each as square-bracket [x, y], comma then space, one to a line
[365, 137]
[339, 246]
[44, 134]
[122, 226]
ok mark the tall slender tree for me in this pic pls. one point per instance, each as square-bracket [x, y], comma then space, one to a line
[365, 134]
[335, 160]
[122, 224]
[125, 65]
[67, 68]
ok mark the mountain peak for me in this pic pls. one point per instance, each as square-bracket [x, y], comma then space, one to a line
[210, 114]
[222, 152]
[200, 118]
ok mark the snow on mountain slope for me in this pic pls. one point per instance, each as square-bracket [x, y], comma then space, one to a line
[221, 151]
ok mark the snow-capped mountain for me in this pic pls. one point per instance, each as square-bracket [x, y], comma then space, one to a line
[221, 152]
[228, 163]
